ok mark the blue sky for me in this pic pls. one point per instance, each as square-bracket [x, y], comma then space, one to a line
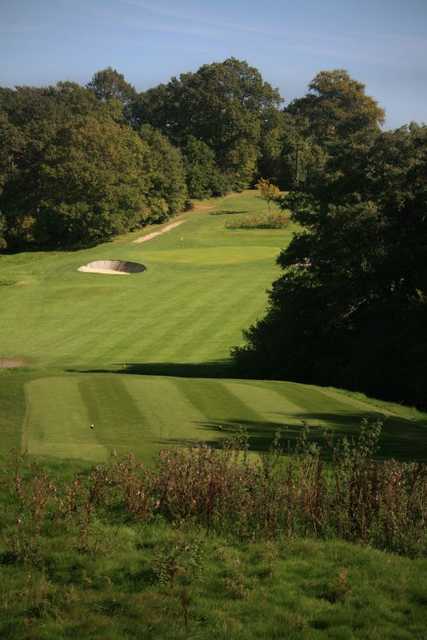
[383, 43]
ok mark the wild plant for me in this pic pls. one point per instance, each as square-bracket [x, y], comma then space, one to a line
[351, 494]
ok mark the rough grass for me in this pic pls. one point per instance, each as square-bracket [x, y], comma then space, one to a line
[111, 554]
[301, 590]
[276, 220]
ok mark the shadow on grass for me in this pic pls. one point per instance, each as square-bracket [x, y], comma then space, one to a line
[225, 212]
[401, 438]
[396, 439]
[213, 369]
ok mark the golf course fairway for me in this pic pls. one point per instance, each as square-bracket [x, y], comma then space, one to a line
[134, 364]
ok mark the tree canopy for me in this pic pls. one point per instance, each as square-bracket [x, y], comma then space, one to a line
[73, 172]
[223, 105]
[351, 306]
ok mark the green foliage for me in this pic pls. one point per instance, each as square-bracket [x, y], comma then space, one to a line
[75, 191]
[336, 108]
[269, 220]
[168, 190]
[109, 84]
[111, 89]
[203, 176]
[354, 283]
[225, 105]
[74, 175]
[326, 131]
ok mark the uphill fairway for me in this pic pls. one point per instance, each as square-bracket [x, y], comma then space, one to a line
[143, 358]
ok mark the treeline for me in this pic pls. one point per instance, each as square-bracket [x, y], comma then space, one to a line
[81, 164]
[350, 308]
[72, 170]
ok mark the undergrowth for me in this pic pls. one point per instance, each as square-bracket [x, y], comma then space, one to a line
[276, 220]
[209, 538]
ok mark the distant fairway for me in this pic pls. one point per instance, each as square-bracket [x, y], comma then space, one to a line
[82, 334]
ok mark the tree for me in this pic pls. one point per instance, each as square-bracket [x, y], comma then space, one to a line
[325, 132]
[270, 148]
[203, 176]
[268, 191]
[109, 84]
[11, 144]
[165, 166]
[350, 308]
[86, 182]
[336, 107]
[223, 105]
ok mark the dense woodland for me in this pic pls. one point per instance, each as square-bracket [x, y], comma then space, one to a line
[79, 165]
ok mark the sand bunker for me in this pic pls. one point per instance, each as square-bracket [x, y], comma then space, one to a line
[154, 234]
[112, 267]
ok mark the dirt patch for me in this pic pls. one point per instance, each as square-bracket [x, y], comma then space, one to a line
[154, 234]
[112, 267]
[12, 363]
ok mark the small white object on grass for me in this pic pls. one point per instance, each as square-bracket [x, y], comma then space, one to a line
[92, 426]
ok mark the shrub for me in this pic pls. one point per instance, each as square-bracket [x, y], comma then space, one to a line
[260, 221]
[354, 497]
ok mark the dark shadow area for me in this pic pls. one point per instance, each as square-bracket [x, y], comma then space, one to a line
[214, 369]
[260, 434]
[400, 445]
[224, 212]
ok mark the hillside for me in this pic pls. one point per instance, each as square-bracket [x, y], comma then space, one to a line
[81, 335]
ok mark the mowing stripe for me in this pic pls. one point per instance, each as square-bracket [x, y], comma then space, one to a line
[276, 409]
[112, 412]
[57, 423]
[165, 411]
[216, 402]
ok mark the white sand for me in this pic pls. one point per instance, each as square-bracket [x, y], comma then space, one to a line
[112, 267]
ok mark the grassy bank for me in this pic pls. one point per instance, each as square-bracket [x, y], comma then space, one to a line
[209, 544]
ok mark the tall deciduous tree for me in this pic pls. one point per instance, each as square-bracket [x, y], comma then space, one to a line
[327, 129]
[222, 104]
[336, 107]
[165, 167]
[351, 306]
[203, 176]
[86, 181]
[109, 84]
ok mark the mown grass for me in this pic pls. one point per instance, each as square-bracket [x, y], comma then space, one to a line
[81, 336]
[201, 287]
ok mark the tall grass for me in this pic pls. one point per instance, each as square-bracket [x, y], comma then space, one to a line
[350, 495]
[270, 220]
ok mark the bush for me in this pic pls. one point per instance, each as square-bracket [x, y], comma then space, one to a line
[260, 221]
[354, 497]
